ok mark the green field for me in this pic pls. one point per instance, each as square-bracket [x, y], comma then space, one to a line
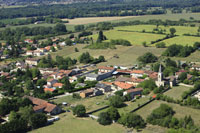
[70, 124]
[176, 92]
[181, 111]
[132, 34]
[130, 106]
[134, 37]
[90, 103]
[127, 55]
[180, 30]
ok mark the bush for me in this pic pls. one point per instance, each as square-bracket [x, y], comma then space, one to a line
[79, 110]
[104, 119]
[161, 45]
[147, 58]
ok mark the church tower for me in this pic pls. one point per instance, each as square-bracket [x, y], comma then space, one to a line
[160, 74]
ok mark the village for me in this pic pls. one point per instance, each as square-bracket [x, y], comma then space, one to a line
[91, 81]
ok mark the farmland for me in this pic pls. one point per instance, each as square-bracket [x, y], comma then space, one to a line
[176, 92]
[181, 111]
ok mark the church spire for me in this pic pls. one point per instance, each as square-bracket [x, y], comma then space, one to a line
[160, 69]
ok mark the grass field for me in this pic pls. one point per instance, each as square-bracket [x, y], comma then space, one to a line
[134, 37]
[130, 106]
[180, 30]
[88, 20]
[90, 103]
[181, 111]
[70, 124]
[176, 92]
[127, 55]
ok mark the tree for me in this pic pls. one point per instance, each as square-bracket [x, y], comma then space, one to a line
[116, 101]
[147, 58]
[101, 37]
[172, 31]
[60, 28]
[53, 49]
[76, 50]
[104, 119]
[29, 85]
[67, 85]
[79, 110]
[38, 120]
[182, 76]
[113, 113]
[132, 120]
[68, 41]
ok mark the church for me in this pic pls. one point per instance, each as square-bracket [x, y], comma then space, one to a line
[161, 81]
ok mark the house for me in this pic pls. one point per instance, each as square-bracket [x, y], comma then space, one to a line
[133, 92]
[49, 89]
[48, 48]
[29, 52]
[38, 53]
[4, 57]
[57, 85]
[137, 73]
[28, 41]
[43, 106]
[97, 92]
[42, 50]
[50, 82]
[32, 61]
[123, 86]
[133, 81]
[47, 70]
[86, 93]
[195, 67]
[99, 77]
[103, 87]
[20, 65]
[103, 69]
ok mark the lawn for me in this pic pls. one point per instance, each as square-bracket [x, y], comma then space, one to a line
[130, 106]
[70, 124]
[181, 111]
[176, 92]
[90, 103]
[134, 37]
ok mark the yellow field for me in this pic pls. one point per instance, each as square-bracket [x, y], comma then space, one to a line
[89, 20]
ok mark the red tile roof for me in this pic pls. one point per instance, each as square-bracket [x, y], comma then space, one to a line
[106, 68]
[123, 85]
[49, 89]
[57, 85]
[134, 90]
[138, 71]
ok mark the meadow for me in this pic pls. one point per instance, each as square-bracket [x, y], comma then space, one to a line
[181, 111]
[176, 92]
[90, 103]
[134, 37]
[127, 55]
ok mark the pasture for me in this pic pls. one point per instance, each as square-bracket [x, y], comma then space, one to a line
[127, 55]
[181, 111]
[90, 103]
[134, 37]
[176, 92]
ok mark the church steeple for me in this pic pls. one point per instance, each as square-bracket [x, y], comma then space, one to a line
[160, 74]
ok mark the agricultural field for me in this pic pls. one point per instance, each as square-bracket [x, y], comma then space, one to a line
[127, 55]
[89, 20]
[167, 16]
[90, 103]
[181, 111]
[176, 92]
[182, 40]
[180, 30]
[134, 37]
